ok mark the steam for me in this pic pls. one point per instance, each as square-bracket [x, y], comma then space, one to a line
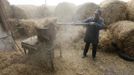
[67, 34]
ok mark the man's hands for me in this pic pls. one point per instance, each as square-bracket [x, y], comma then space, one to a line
[92, 23]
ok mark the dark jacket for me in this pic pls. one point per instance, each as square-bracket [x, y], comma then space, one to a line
[92, 31]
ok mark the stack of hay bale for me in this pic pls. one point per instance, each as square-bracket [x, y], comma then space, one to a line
[113, 11]
[130, 7]
[118, 17]
[86, 10]
[123, 36]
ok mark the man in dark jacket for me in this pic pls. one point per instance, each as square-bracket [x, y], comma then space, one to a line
[92, 32]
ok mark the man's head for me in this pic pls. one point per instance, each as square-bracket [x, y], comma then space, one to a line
[97, 14]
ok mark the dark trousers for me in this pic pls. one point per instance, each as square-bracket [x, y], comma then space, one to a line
[94, 49]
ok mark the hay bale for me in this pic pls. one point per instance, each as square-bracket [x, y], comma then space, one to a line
[113, 11]
[64, 11]
[105, 41]
[130, 7]
[106, 2]
[29, 27]
[86, 10]
[22, 28]
[123, 35]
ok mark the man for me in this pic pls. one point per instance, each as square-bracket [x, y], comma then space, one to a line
[92, 33]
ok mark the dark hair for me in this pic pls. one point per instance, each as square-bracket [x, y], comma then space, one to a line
[98, 11]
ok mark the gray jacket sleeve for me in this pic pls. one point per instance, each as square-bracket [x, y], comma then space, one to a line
[101, 24]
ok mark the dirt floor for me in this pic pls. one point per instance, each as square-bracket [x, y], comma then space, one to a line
[71, 63]
[105, 64]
